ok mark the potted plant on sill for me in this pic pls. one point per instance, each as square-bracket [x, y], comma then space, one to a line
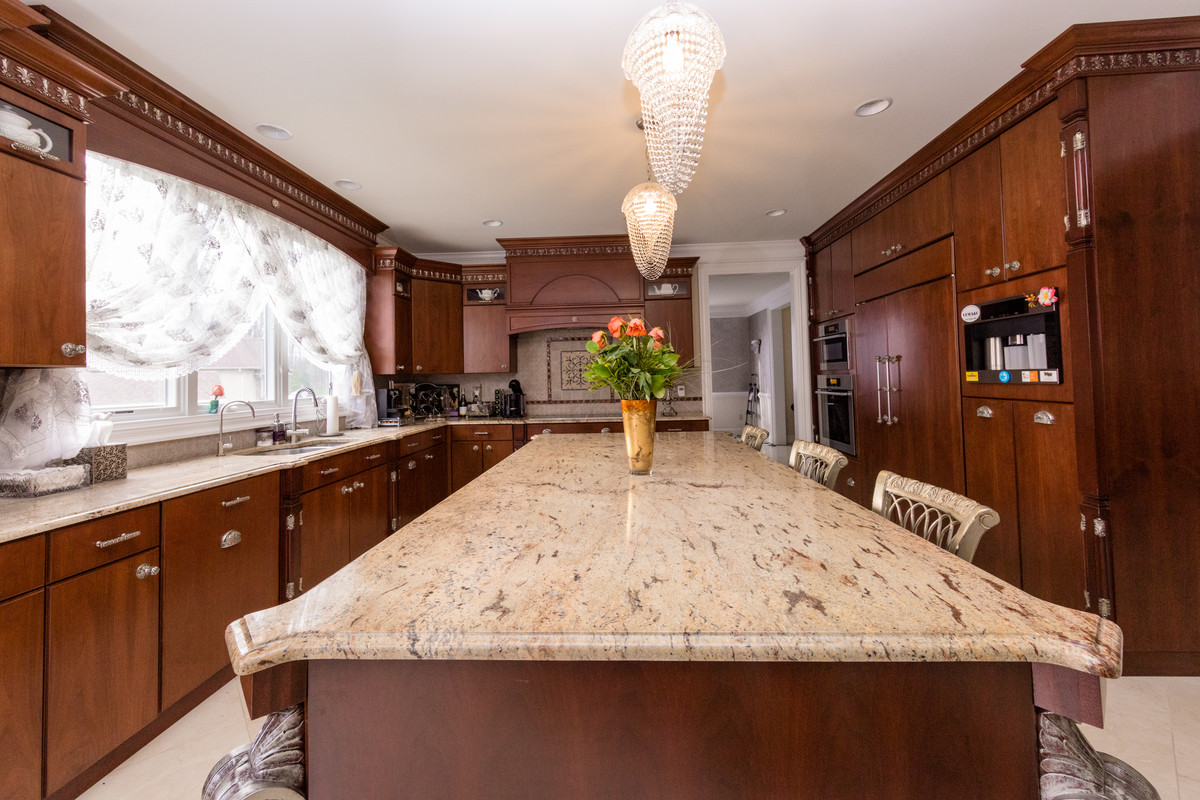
[640, 367]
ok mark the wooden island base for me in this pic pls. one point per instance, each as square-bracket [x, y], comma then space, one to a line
[720, 730]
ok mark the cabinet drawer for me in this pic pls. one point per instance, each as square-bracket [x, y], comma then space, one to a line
[22, 566]
[475, 433]
[676, 425]
[538, 428]
[102, 541]
[343, 465]
[422, 441]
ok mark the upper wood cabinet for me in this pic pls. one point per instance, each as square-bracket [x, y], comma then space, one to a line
[487, 346]
[1009, 202]
[912, 222]
[437, 327]
[831, 290]
[669, 306]
[389, 322]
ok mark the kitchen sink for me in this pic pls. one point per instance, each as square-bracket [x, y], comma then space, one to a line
[297, 449]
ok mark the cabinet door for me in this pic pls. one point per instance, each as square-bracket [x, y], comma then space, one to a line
[674, 316]
[487, 347]
[1035, 197]
[922, 216]
[220, 558]
[436, 477]
[870, 242]
[495, 452]
[466, 463]
[841, 278]
[388, 328]
[41, 265]
[411, 489]
[437, 324]
[991, 468]
[870, 344]
[369, 512]
[820, 289]
[402, 337]
[102, 663]
[978, 232]
[21, 627]
[1052, 549]
[926, 434]
[852, 482]
[324, 532]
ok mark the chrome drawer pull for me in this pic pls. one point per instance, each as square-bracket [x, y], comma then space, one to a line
[359, 485]
[374, 457]
[1043, 418]
[331, 470]
[230, 539]
[671, 430]
[983, 411]
[606, 430]
[146, 571]
[124, 537]
[234, 502]
[482, 433]
[545, 430]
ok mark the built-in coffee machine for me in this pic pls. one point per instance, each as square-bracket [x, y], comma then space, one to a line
[395, 404]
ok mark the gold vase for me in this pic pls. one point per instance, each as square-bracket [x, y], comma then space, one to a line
[637, 416]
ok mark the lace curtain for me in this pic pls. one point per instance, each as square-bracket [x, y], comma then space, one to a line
[44, 415]
[177, 273]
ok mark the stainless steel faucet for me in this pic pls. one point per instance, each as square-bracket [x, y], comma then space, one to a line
[222, 445]
[295, 433]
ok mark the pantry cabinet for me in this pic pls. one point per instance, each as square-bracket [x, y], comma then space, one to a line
[1009, 202]
[220, 553]
[831, 282]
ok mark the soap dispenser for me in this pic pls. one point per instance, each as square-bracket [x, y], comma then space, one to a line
[278, 431]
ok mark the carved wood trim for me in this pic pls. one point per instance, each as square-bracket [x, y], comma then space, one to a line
[1071, 769]
[1152, 46]
[606, 245]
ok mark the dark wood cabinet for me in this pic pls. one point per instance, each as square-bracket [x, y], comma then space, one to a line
[1009, 202]
[907, 404]
[21, 631]
[101, 662]
[487, 347]
[340, 522]
[991, 474]
[474, 449]
[388, 327]
[831, 289]
[910, 223]
[220, 554]
[370, 520]
[424, 480]
[854, 483]
[674, 316]
[437, 327]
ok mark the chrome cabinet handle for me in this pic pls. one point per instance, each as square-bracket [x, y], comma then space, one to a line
[483, 433]
[399, 368]
[71, 350]
[419, 368]
[438, 438]
[428, 457]
[1013, 266]
[146, 571]
[674, 430]
[488, 448]
[850, 481]
[374, 457]
[545, 430]
[1044, 418]
[347, 490]
[504, 366]
[230, 539]
[235, 501]
[475, 448]
[984, 411]
[331, 470]
[994, 271]
[888, 361]
[359, 485]
[878, 392]
[412, 465]
[606, 430]
[393, 473]
[124, 537]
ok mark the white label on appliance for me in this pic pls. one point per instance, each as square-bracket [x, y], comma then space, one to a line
[970, 313]
[1049, 376]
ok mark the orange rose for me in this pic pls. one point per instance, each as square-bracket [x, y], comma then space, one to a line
[598, 338]
[614, 327]
[636, 327]
[658, 336]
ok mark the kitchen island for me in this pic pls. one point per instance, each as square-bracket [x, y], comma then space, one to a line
[723, 628]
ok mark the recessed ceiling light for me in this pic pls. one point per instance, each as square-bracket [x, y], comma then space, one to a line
[273, 131]
[350, 186]
[776, 212]
[873, 107]
[493, 223]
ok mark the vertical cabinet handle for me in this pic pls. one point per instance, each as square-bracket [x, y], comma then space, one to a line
[887, 361]
[878, 390]
[1043, 418]
[230, 539]
[984, 411]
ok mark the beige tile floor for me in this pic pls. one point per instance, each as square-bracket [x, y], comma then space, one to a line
[1151, 723]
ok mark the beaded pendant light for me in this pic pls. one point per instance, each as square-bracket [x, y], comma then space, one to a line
[649, 211]
[671, 57]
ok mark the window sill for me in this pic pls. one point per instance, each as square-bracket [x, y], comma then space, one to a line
[166, 429]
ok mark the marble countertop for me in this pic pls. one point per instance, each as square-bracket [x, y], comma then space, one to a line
[721, 554]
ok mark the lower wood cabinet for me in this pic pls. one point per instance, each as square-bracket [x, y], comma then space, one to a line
[854, 483]
[474, 449]
[369, 518]
[220, 552]
[423, 481]
[1020, 460]
[340, 522]
[102, 662]
[21, 646]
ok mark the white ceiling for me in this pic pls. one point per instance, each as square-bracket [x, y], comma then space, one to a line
[450, 113]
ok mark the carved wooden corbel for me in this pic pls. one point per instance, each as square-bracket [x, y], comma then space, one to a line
[269, 768]
[1071, 769]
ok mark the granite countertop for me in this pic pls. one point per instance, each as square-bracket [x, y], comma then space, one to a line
[721, 554]
[22, 517]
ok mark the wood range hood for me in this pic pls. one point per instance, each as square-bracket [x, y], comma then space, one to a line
[575, 281]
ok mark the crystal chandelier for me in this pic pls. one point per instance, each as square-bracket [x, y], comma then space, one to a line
[649, 211]
[671, 57]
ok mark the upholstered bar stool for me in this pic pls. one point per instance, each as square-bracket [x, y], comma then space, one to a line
[951, 521]
[754, 436]
[816, 462]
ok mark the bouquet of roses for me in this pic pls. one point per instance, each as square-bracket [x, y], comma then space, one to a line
[637, 364]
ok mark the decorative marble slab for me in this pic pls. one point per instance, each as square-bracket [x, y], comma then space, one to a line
[559, 553]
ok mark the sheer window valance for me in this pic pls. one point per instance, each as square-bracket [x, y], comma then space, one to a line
[177, 273]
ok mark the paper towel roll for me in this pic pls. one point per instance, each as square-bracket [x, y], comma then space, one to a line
[331, 414]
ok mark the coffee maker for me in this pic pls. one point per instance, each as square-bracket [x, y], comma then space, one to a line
[512, 403]
[395, 403]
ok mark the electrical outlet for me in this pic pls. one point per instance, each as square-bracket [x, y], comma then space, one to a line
[680, 390]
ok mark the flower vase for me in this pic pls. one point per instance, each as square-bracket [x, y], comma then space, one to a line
[637, 416]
